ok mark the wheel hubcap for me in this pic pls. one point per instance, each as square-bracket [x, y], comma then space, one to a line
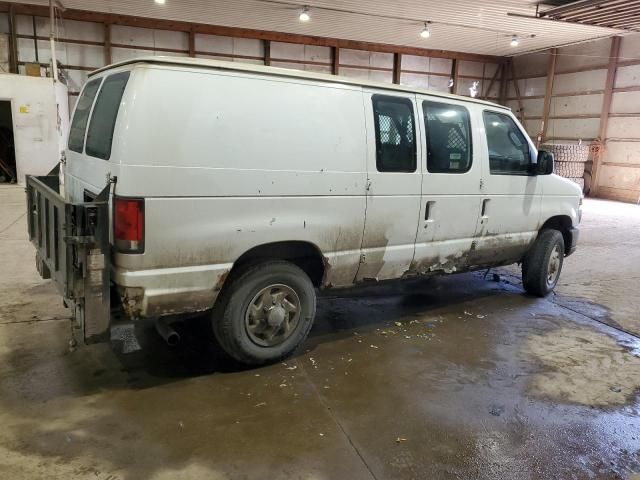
[272, 315]
[553, 269]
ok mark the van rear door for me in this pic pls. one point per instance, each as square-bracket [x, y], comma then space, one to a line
[393, 186]
[93, 128]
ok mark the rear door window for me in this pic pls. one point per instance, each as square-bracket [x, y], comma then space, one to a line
[448, 137]
[103, 118]
[81, 116]
[395, 134]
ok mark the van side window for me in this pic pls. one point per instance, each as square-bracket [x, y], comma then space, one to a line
[103, 118]
[395, 134]
[81, 115]
[508, 148]
[448, 130]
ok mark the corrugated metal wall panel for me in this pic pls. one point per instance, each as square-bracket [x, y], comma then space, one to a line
[625, 102]
[529, 87]
[579, 82]
[623, 152]
[580, 128]
[628, 76]
[624, 127]
[532, 64]
[576, 105]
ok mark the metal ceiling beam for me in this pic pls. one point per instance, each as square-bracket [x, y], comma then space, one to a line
[594, 16]
[629, 6]
[588, 11]
[630, 28]
[545, 19]
[626, 24]
[601, 17]
[622, 21]
[572, 7]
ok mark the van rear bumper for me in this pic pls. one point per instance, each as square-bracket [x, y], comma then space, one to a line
[169, 291]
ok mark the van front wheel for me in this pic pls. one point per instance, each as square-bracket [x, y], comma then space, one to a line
[542, 264]
[265, 313]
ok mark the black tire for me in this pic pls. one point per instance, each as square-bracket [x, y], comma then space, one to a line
[231, 314]
[537, 266]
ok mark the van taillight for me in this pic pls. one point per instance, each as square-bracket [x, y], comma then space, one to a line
[128, 225]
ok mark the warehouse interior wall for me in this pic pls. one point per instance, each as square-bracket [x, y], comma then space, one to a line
[575, 91]
[37, 126]
[81, 47]
[571, 103]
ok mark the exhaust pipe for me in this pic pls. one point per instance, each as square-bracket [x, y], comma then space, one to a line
[167, 332]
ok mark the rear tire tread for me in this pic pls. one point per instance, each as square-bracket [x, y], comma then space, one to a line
[224, 314]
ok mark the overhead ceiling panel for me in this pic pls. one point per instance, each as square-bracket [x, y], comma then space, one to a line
[472, 26]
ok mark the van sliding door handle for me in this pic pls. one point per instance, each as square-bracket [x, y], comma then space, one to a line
[485, 207]
[428, 210]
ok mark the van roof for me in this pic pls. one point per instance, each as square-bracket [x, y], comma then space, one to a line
[284, 72]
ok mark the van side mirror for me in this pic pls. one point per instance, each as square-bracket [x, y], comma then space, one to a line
[545, 163]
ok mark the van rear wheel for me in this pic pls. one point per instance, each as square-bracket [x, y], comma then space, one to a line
[265, 313]
[542, 264]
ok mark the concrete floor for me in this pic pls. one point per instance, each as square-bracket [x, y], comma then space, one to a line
[455, 377]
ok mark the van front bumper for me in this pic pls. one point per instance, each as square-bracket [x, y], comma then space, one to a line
[574, 233]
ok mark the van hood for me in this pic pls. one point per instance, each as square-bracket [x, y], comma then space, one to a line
[557, 185]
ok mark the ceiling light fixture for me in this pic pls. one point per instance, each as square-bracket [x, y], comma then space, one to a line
[425, 33]
[161, 2]
[515, 41]
[304, 14]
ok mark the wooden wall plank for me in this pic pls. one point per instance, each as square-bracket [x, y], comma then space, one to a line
[551, 70]
[604, 113]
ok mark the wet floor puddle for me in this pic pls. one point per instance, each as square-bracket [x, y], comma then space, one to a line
[584, 367]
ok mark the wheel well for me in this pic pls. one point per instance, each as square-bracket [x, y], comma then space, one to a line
[303, 254]
[563, 224]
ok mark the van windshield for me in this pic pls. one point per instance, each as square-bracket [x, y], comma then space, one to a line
[103, 118]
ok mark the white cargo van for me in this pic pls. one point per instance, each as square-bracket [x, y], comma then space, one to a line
[195, 185]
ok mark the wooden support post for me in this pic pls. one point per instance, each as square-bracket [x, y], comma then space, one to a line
[13, 40]
[503, 84]
[107, 44]
[454, 76]
[35, 38]
[551, 72]
[192, 43]
[614, 53]
[493, 79]
[335, 65]
[267, 52]
[397, 62]
[517, 89]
